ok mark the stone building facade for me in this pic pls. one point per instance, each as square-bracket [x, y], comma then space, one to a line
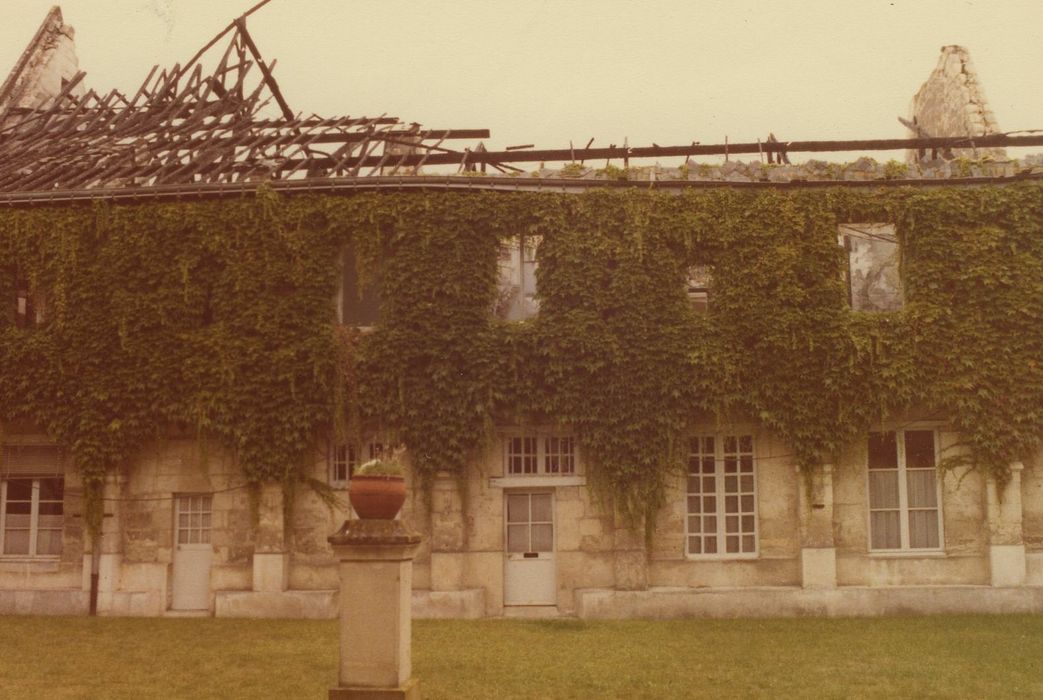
[741, 532]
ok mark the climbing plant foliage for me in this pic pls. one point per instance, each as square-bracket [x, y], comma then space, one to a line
[218, 317]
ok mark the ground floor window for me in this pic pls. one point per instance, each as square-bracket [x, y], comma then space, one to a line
[722, 496]
[904, 512]
[345, 457]
[31, 516]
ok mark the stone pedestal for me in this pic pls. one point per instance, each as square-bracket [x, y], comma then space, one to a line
[1006, 536]
[376, 582]
[818, 554]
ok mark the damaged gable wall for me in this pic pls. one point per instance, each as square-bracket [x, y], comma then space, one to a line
[952, 103]
[48, 60]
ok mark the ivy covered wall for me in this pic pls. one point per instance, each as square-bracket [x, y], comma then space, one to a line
[218, 317]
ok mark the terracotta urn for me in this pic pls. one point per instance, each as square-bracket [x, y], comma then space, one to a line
[377, 497]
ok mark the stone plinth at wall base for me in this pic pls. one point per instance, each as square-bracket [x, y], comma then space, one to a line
[1007, 564]
[376, 586]
[845, 601]
[410, 690]
[131, 604]
[314, 605]
[271, 571]
[44, 602]
[818, 566]
[468, 604]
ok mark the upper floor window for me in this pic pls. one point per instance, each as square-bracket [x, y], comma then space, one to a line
[872, 273]
[539, 455]
[722, 496]
[904, 493]
[32, 495]
[698, 286]
[358, 303]
[516, 288]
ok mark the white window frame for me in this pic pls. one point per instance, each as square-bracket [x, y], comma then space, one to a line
[542, 454]
[34, 516]
[903, 495]
[720, 494]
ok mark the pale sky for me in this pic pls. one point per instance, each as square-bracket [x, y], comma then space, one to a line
[544, 72]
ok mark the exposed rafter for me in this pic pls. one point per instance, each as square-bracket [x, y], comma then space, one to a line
[185, 125]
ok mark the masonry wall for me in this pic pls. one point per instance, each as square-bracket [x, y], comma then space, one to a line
[274, 560]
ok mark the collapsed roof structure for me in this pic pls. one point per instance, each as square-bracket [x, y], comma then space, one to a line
[203, 130]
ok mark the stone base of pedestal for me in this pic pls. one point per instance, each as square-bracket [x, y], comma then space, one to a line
[410, 690]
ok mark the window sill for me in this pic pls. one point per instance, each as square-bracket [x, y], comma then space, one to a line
[722, 557]
[535, 481]
[909, 554]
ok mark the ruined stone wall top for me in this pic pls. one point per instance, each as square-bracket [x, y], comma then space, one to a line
[952, 103]
[48, 61]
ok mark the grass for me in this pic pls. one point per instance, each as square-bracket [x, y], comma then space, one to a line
[952, 656]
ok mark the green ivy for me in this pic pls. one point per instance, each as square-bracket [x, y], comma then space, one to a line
[217, 317]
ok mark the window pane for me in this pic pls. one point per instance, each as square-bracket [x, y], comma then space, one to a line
[708, 445]
[923, 529]
[693, 484]
[48, 542]
[19, 489]
[746, 443]
[709, 504]
[746, 463]
[695, 545]
[182, 536]
[883, 489]
[710, 545]
[732, 544]
[708, 467]
[708, 484]
[541, 510]
[53, 522]
[693, 504]
[19, 508]
[17, 520]
[748, 543]
[542, 538]
[518, 508]
[747, 523]
[730, 444]
[693, 523]
[919, 449]
[51, 489]
[731, 465]
[885, 532]
[747, 504]
[16, 542]
[731, 523]
[731, 484]
[710, 525]
[883, 451]
[746, 483]
[731, 504]
[920, 484]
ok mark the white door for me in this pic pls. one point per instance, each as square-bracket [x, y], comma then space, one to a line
[529, 569]
[193, 553]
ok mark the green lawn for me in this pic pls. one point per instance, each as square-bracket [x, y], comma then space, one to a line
[966, 656]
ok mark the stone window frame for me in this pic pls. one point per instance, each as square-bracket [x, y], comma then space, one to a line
[360, 310]
[549, 446]
[867, 230]
[34, 516]
[520, 266]
[903, 508]
[721, 495]
[344, 457]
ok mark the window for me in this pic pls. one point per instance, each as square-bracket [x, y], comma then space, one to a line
[357, 306]
[903, 491]
[31, 511]
[722, 497]
[32, 491]
[344, 458]
[544, 455]
[516, 297]
[698, 286]
[873, 279]
[30, 304]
